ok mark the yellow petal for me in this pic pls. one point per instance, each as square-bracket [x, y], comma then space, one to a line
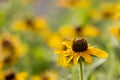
[67, 54]
[87, 57]
[67, 44]
[22, 76]
[70, 58]
[115, 31]
[76, 58]
[93, 32]
[97, 52]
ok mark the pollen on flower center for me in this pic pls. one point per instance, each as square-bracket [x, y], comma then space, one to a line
[79, 45]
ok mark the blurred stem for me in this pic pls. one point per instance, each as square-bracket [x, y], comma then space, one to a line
[81, 69]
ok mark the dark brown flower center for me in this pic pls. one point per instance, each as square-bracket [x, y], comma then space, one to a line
[107, 14]
[79, 45]
[78, 29]
[6, 43]
[7, 60]
[29, 23]
[10, 76]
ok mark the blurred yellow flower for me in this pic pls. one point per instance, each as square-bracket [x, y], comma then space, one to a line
[73, 32]
[33, 24]
[48, 75]
[73, 3]
[115, 30]
[10, 75]
[106, 10]
[77, 49]
[11, 49]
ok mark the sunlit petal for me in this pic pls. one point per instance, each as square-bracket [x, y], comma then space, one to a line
[97, 52]
[87, 57]
[76, 58]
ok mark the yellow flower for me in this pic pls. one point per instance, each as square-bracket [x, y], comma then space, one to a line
[10, 75]
[72, 32]
[73, 3]
[48, 75]
[32, 24]
[106, 10]
[11, 49]
[115, 30]
[77, 49]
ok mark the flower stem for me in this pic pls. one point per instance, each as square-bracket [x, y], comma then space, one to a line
[81, 70]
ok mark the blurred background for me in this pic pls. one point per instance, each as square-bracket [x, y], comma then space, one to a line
[30, 31]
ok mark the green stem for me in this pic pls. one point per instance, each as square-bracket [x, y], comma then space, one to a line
[81, 70]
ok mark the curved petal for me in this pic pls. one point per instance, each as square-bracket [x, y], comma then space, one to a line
[87, 57]
[67, 44]
[76, 58]
[66, 54]
[97, 52]
[69, 59]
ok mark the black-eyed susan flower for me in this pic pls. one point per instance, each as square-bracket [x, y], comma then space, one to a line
[78, 31]
[48, 75]
[77, 49]
[106, 11]
[33, 24]
[10, 75]
[10, 49]
[73, 3]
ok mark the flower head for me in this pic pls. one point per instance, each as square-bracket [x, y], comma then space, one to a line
[77, 49]
[73, 3]
[48, 75]
[106, 11]
[11, 75]
[11, 49]
[78, 31]
[33, 24]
